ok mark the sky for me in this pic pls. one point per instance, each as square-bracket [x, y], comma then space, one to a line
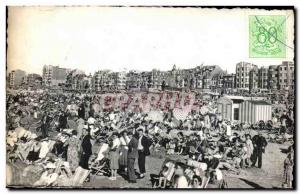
[127, 38]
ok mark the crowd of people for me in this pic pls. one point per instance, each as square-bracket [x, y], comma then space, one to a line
[71, 133]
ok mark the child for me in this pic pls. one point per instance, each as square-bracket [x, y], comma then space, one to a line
[243, 155]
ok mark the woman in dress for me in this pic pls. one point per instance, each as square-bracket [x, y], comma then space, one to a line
[114, 155]
[73, 151]
[124, 140]
[250, 148]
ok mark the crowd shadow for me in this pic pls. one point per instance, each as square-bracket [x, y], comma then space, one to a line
[252, 184]
[284, 150]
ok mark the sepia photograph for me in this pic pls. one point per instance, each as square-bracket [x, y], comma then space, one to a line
[150, 97]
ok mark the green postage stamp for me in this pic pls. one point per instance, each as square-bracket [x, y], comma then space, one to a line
[267, 35]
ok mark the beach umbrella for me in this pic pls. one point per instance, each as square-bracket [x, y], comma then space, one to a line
[180, 114]
[155, 116]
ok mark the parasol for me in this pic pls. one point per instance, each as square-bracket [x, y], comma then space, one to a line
[155, 116]
[180, 114]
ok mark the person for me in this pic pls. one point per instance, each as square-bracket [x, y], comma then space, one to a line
[181, 181]
[171, 147]
[45, 125]
[123, 151]
[196, 182]
[288, 171]
[259, 144]
[63, 121]
[25, 120]
[73, 151]
[114, 155]
[131, 157]
[81, 111]
[86, 150]
[249, 146]
[228, 130]
[143, 151]
[162, 177]
[80, 127]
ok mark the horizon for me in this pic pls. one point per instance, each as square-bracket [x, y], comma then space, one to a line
[127, 70]
[92, 73]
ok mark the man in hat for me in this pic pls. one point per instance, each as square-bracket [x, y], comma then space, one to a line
[86, 148]
[259, 144]
[143, 151]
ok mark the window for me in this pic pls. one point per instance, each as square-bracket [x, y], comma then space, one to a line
[284, 68]
[236, 114]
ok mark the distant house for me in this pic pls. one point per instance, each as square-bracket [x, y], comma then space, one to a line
[238, 108]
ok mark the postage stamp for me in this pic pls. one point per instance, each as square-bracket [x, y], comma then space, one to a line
[267, 34]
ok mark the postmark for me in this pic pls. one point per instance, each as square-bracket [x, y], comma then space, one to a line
[267, 36]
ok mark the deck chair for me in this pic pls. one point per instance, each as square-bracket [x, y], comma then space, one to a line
[100, 168]
[168, 176]
[79, 176]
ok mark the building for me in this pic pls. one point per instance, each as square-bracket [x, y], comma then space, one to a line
[121, 80]
[174, 79]
[208, 72]
[243, 75]
[229, 81]
[77, 82]
[286, 76]
[253, 78]
[34, 80]
[239, 109]
[54, 75]
[217, 82]
[273, 77]
[133, 80]
[70, 78]
[16, 78]
[263, 80]
[99, 80]
[145, 80]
